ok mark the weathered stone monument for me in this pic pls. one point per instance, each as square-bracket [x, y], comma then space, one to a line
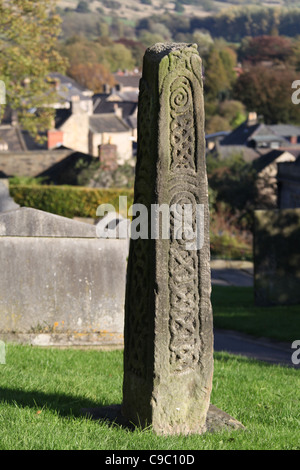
[168, 333]
[168, 355]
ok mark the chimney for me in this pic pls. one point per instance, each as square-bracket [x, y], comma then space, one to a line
[252, 118]
[293, 139]
[75, 104]
[118, 111]
[108, 156]
[55, 139]
[14, 118]
[106, 88]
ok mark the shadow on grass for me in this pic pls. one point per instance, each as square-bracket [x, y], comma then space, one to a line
[66, 406]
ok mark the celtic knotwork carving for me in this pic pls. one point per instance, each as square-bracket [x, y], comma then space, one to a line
[137, 298]
[184, 327]
[180, 85]
[138, 308]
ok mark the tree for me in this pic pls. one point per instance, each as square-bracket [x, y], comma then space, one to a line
[233, 180]
[91, 76]
[102, 51]
[219, 71]
[28, 45]
[266, 48]
[268, 92]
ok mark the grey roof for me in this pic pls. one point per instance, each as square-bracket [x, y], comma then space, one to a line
[11, 137]
[265, 160]
[124, 96]
[102, 106]
[244, 133]
[217, 134]
[127, 80]
[268, 138]
[107, 123]
[286, 130]
[249, 154]
[68, 88]
[132, 122]
[240, 135]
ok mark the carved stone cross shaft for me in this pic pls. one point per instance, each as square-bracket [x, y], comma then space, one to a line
[168, 336]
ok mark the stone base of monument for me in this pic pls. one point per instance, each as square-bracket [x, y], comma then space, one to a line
[217, 420]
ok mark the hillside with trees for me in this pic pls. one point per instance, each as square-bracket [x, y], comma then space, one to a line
[241, 44]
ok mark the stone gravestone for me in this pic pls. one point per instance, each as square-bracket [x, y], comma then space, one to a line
[168, 334]
[60, 284]
[277, 257]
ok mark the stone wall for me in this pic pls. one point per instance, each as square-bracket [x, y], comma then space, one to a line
[30, 164]
[277, 257]
[59, 283]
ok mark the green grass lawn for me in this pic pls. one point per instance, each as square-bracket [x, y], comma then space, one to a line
[43, 390]
[234, 309]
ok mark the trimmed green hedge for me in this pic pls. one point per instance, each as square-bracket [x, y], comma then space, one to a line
[68, 201]
[73, 201]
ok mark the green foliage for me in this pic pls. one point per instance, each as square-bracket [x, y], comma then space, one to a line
[111, 55]
[233, 24]
[233, 179]
[268, 92]
[92, 174]
[28, 44]
[44, 389]
[216, 80]
[232, 199]
[68, 201]
[26, 181]
[234, 309]
[230, 247]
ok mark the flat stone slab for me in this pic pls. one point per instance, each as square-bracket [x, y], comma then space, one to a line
[217, 420]
[29, 222]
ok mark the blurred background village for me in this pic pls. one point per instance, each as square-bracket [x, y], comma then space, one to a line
[68, 133]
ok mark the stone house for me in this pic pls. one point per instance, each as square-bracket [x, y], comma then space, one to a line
[289, 184]
[82, 122]
[265, 147]
[109, 128]
[267, 173]
[93, 120]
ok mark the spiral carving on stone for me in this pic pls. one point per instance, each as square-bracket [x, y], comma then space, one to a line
[182, 134]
